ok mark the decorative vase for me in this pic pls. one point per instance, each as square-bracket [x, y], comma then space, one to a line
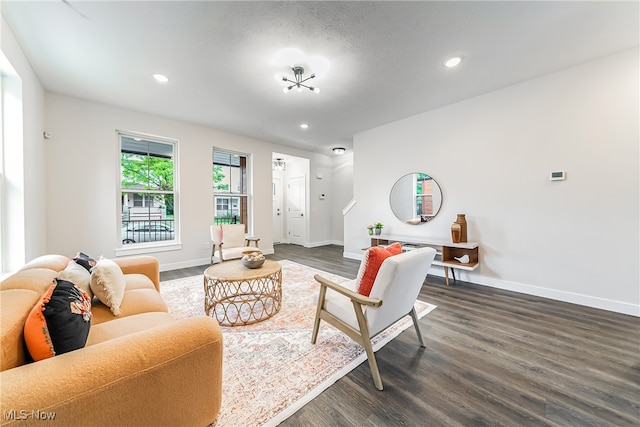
[371, 232]
[455, 232]
[463, 227]
[378, 231]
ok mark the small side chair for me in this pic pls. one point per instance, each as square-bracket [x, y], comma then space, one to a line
[393, 295]
[229, 241]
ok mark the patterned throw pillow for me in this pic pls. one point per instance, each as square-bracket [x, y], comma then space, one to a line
[371, 262]
[85, 260]
[59, 322]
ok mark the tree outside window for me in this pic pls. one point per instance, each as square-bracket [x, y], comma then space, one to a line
[230, 188]
[147, 189]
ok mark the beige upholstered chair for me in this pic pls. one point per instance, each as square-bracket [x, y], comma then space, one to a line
[394, 292]
[229, 241]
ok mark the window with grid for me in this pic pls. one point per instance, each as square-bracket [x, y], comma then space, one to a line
[230, 188]
[148, 190]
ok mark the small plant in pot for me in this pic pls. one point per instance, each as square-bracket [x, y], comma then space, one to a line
[378, 228]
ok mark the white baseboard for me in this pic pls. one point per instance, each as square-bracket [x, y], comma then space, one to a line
[554, 294]
[323, 243]
[558, 295]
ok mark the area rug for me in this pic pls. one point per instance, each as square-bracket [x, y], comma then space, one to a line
[270, 368]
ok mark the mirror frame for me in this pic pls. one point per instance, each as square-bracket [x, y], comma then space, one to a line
[396, 193]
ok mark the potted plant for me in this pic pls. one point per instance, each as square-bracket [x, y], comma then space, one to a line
[378, 227]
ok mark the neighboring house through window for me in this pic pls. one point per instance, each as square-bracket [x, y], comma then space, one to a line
[148, 189]
[230, 188]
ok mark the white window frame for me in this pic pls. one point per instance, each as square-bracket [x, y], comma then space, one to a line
[157, 246]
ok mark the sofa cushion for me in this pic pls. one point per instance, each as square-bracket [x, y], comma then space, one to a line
[78, 275]
[15, 305]
[59, 322]
[52, 262]
[138, 281]
[126, 325]
[37, 279]
[135, 301]
[108, 283]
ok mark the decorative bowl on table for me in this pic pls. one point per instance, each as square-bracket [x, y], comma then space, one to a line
[252, 259]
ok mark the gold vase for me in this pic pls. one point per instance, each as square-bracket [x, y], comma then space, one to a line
[462, 221]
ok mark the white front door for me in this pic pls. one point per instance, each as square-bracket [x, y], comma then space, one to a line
[296, 206]
[277, 210]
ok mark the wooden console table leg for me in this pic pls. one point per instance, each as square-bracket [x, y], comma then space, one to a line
[446, 275]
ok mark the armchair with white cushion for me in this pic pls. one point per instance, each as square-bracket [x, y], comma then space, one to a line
[230, 240]
[393, 295]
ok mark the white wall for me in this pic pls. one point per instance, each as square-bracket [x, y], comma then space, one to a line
[341, 193]
[82, 164]
[575, 240]
[27, 220]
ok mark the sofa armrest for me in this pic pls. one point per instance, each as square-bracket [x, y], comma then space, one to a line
[167, 375]
[141, 264]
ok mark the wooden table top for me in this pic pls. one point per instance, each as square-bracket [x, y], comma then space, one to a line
[233, 270]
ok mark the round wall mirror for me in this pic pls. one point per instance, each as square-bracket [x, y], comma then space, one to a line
[415, 198]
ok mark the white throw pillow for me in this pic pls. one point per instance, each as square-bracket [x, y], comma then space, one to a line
[108, 283]
[78, 275]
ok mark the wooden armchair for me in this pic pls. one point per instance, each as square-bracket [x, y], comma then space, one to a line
[394, 292]
[229, 241]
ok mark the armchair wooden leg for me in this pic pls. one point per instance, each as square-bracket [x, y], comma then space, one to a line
[373, 364]
[316, 322]
[414, 316]
[366, 343]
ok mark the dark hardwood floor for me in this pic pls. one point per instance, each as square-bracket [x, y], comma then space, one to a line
[493, 357]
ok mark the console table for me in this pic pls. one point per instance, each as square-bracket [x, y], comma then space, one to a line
[445, 252]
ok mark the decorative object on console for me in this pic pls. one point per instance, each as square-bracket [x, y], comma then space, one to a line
[463, 227]
[370, 228]
[464, 259]
[455, 232]
[378, 227]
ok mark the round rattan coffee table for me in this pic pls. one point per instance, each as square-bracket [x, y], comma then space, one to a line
[237, 295]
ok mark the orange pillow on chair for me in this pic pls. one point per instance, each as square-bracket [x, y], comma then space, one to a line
[372, 261]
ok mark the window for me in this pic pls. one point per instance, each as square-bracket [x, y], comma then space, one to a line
[230, 188]
[424, 194]
[148, 189]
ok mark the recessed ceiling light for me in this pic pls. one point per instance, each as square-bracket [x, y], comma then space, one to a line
[338, 150]
[453, 62]
[161, 78]
[304, 126]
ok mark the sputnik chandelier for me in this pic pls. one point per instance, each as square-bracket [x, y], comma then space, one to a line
[298, 72]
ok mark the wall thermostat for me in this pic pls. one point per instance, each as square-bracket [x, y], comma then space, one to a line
[557, 176]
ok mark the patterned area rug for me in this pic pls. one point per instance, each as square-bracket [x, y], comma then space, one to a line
[270, 368]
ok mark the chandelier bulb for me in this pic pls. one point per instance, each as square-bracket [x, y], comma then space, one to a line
[285, 89]
[316, 90]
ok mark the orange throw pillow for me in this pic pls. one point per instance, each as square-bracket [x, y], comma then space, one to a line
[373, 259]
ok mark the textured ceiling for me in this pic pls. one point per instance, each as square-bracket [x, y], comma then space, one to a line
[385, 58]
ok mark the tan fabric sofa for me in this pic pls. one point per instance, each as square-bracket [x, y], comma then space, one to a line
[140, 368]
